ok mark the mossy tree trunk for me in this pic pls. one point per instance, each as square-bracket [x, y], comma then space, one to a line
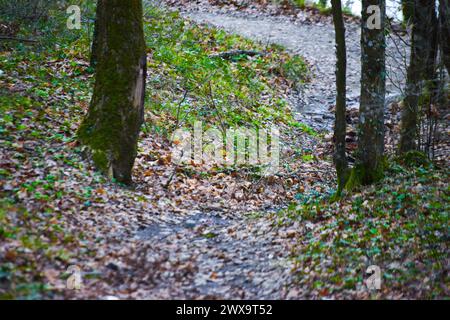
[421, 69]
[111, 127]
[370, 152]
[340, 158]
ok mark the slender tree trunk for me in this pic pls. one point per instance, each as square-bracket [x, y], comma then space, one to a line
[97, 32]
[370, 153]
[111, 127]
[340, 158]
[431, 22]
[421, 69]
[444, 31]
[408, 10]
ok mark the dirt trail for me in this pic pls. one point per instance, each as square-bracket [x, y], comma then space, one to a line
[232, 257]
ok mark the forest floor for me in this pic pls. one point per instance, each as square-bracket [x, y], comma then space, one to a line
[194, 231]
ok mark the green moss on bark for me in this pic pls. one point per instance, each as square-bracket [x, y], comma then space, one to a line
[361, 176]
[111, 128]
[101, 160]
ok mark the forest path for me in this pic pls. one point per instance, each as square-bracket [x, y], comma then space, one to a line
[223, 255]
[315, 42]
[216, 253]
[237, 254]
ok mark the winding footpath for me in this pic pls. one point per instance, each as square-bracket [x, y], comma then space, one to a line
[230, 255]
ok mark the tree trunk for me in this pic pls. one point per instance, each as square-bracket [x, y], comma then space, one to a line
[96, 37]
[370, 153]
[340, 158]
[444, 31]
[421, 68]
[408, 10]
[111, 127]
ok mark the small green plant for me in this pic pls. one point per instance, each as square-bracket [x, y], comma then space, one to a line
[300, 3]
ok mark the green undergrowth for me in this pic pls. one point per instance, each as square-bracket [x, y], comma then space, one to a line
[45, 89]
[400, 225]
[41, 99]
[188, 82]
[43, 22]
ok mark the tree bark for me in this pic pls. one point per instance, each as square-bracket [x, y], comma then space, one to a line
[408, 10]
[340, 158]
[97, 32]
[444, 31]
[111, 127]
[370, 152]
[421, 68]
